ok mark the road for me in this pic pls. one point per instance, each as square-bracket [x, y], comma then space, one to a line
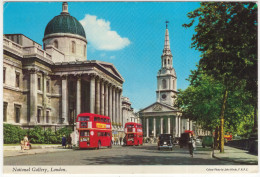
[119, 155]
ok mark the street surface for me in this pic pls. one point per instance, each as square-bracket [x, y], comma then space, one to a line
[121, 155]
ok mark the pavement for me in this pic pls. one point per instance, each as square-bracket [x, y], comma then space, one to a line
[232, 154]
[10, 151]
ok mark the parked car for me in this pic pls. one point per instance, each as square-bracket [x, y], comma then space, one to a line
[165, 141]
[184, 139]
[207, 141]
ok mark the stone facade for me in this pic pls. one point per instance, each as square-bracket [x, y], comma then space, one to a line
[50, 86]
[128, 112]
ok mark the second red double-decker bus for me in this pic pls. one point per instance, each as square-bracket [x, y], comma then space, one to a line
[94, 130]
[134, 133]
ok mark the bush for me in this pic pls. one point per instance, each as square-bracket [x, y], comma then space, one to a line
[36, 135]
[63, 131]
[14, 134]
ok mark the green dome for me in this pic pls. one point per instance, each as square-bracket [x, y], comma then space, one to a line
[64, 23]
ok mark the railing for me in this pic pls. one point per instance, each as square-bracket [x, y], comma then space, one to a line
[12, 44]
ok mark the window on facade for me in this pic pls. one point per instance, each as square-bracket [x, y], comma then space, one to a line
[73, 47]
[5, 111]
[48, 86]
[47, 116]
[39, 83]
[17, 79]
[84, 50]
[44, 46]
[168, 61]
[55, 44]
[164, 62]
[4, 74]
[38, 115]
[164, 83]
[17, 111]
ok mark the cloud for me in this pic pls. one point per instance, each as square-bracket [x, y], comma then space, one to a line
[112, 57]
[100, 35]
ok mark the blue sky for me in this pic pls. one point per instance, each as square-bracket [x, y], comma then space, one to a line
[136, 31]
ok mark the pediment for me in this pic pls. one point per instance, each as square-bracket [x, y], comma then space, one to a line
[157, 107]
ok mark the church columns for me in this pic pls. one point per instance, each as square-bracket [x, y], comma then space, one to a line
[147, 127]
[169, 125]
[179, 120]
[102, 98]
[154, 127]
[64, 114]
[33, 96]
[78, 100]
[161, 125]
[176, 127]
[92, 94]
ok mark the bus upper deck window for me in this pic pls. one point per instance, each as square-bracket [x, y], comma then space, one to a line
[95, 119]
[102, 120]
[98, 119]
[105, 120]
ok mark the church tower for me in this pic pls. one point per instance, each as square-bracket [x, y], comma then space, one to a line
[166, 78]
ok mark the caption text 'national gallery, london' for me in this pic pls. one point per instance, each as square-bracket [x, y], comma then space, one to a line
[50, 86]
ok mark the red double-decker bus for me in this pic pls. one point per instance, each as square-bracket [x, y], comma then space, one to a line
[134, 133]
[94, 130]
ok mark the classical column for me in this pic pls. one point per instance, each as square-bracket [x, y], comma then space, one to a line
[120, 108]
[33, 96]
[176, 127]
[92, 94]
[78, 95]
[97, 96]
[161, 125]
[113, 105]
[187, 124]
[147, 127]
[102, 103]
[169, 125]
[106, 99]
[110, 103]
[64, 103]
[154, 127]
[44, 98]
[179, 117]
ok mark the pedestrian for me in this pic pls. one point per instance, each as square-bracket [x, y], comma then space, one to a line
[121, 140]
[124, 141]
[22, 145]
[26, 142]
[113, 140]
[191, 143]
[63, 141]
[69, 143]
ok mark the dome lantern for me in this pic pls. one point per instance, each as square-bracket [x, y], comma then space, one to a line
[65, 8]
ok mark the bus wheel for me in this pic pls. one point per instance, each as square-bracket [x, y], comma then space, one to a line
[99, 145]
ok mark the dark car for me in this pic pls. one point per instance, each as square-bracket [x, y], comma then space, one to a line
[184, 139]
[207, 141]
[165, 141]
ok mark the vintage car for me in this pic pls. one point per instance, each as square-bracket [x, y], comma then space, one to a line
[165, 141]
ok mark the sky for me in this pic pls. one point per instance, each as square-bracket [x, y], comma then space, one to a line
[130, 35]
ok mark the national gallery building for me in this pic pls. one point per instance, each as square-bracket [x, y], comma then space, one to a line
[49, 85]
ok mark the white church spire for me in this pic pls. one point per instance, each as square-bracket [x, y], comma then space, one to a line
[167, 54]
[167, 40]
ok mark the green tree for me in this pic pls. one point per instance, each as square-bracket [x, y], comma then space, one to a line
[226, 35]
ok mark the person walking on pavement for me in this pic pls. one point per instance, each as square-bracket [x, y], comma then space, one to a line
[120, 140]
[113, 140]
[63, 141]
[191, 144]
